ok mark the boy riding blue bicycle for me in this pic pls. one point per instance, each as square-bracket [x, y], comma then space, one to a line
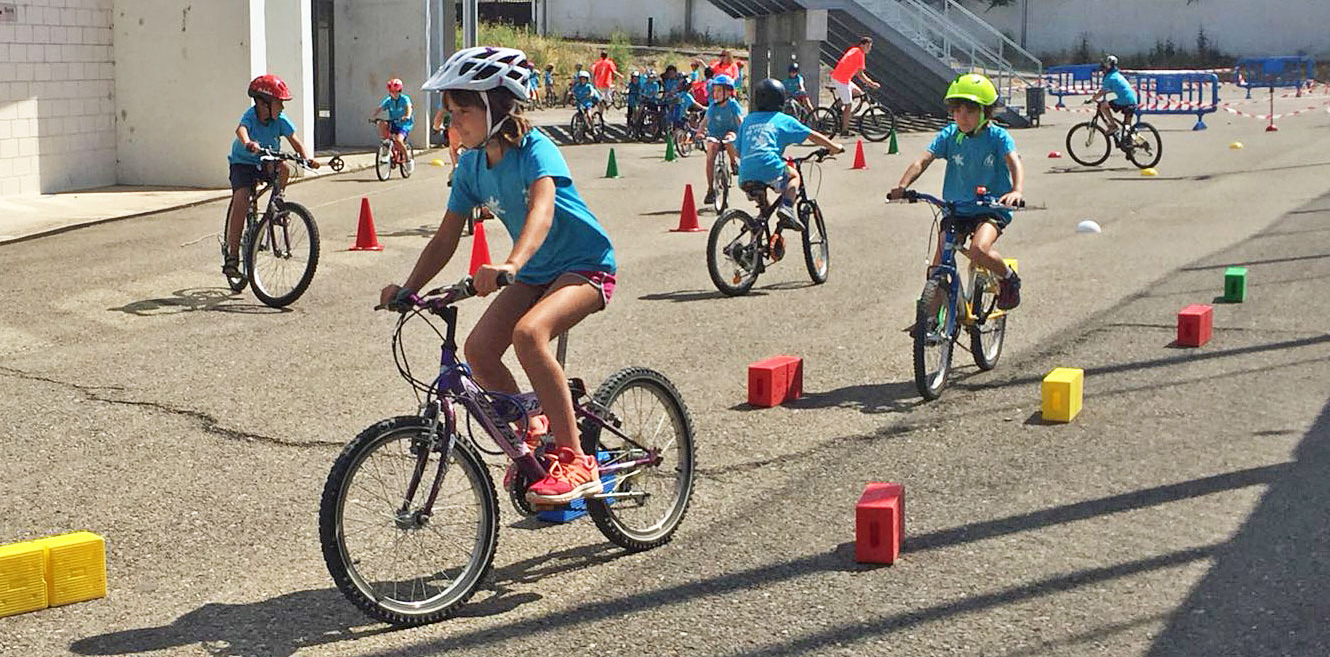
[400, 118]
[978, 154]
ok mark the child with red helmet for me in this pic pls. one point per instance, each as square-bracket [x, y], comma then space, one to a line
[400, 114]
[261, 126]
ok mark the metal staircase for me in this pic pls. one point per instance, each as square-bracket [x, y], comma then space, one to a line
[919, 46]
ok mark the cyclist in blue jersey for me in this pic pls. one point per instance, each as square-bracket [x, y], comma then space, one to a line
[794, 85]
[1124, 97]
[400, 116]
[721, 124]
[585, 95]
[634, 96]
[763, 136]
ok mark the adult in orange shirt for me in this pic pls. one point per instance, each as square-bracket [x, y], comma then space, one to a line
[851, 64]
[726, 65]
[603, 72]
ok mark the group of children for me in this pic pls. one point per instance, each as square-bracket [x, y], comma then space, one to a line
[562, 259]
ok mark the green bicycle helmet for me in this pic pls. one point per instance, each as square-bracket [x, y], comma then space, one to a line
[974, 88]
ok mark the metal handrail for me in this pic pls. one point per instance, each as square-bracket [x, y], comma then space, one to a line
[1004, 41]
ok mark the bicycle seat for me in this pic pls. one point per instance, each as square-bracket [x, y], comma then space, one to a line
[754, 187]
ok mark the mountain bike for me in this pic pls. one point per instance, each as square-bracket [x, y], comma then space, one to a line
[587, 126]
[950, 300]
[409, 516]
[740, 246]
[872, 119]
[389, 157]
[685, 134]
[279, 249]
[796, 109]
[1090, 143]
[720, 173]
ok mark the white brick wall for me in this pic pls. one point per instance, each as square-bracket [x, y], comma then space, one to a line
[57, 105]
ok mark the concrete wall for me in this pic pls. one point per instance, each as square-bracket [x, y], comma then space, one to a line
[601, 19]
[289, 50]
[1132, 27]
[57, 126]
[377, 40]
[181, 72]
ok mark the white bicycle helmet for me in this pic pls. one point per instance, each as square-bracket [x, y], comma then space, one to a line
[483, 69]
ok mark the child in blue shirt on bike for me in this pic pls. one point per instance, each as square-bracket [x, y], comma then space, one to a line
[763, 136]
[794, 85]
[634, 96]
[978, 154]
[400, 120]
[261, 126]
[1124, 97]
[721, 124]
[584, 94]
[561, 257]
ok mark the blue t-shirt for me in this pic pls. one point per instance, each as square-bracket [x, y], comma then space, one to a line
[397, 109]
[575, 242]
[585, 94]
[794, 86]
[651, 89]
[1116, 82]
[975, 161]
[634, 91]
[549, 78]
[763, 137]
[724, 117]
[268, 135]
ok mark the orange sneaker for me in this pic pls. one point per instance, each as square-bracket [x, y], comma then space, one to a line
[538, 426]
[570, 477]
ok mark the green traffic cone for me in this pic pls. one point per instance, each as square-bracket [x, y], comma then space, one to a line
[612, 169]
[892, 149]
[669, 148]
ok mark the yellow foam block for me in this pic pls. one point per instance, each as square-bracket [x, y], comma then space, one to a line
[22, 578]
[1012, 263]
[1062, 392]
[75, 567]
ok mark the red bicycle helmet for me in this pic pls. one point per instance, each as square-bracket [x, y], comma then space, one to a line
[394, 85]
[269, 87]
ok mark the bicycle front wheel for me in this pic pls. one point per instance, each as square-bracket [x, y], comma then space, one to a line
[282, 253]
[649, 500]
[720, 182]
[826, 121]
[1088, 144]
[579, 128]
[877, 123]
[1146, 147]
[990, 329]
[383, 161]
[393, 559]
[932, 339]
[817, 254]
[683, 142]
[734, 251]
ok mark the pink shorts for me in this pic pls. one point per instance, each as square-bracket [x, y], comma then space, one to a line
[603, 281]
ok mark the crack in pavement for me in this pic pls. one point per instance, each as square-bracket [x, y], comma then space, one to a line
[208, 423]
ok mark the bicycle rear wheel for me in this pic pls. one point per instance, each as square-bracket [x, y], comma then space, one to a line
[282, 253]
[734, 252]
[649, 501]
[383, 161]
[1146, 147]
[932, 342]
[877, 123]
[598, 128]
[990, 329]
[392, 560]
[683, 142]
[826, 121]
[1088, 144]
[817, 254]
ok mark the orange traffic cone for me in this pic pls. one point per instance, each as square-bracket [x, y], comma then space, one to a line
[480, 250]
[688, 215]
[859, 162]
[366, 239]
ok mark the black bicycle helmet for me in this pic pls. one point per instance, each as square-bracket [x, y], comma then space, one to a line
[768, 96]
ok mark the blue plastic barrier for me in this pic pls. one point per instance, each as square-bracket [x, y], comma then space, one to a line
[1072, 80]
[1176, 93]
[1271, 72]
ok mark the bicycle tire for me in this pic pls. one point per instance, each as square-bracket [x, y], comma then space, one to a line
[683, 143]
[1155, 147]
[1089, 153]
[984, 306]
[268, 287]
[817, 254]
[612, 518]
[578, 128]
[346, 568]
[383, 161]
[746, 255]
[826, 122]
[930, 384]
[720, 182]
[877, 123]
[598, 128]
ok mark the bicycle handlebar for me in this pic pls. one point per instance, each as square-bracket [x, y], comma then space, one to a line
[441, 297]
[269, 154]
[819, 155]
[984, 201]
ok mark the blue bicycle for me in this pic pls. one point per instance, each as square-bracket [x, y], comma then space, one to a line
[951, 301]
[409, 517]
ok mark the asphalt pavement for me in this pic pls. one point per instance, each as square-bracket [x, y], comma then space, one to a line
[1182, 513]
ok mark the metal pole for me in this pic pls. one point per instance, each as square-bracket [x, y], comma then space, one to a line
[470, 11]
[1025, 19]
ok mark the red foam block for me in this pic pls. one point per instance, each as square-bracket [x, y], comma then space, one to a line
[775, 380]
[879, 523]
[1195, 325]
